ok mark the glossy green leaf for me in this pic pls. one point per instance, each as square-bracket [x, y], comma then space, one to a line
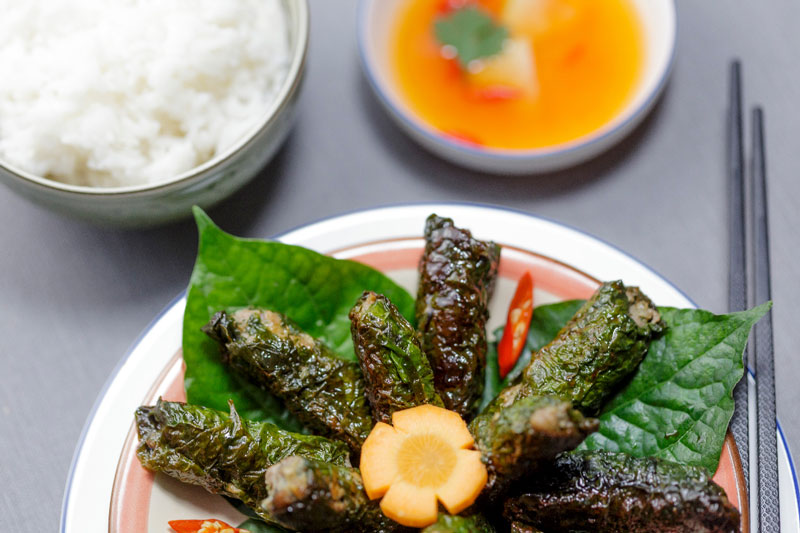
[472, 33]
[314, 290]
[680, 401]
[546, 322]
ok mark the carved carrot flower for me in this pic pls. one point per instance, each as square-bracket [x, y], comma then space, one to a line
[422, 459]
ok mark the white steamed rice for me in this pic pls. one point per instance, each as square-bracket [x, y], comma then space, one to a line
[128, 92]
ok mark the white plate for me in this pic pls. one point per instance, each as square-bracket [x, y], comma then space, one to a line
[91, 478]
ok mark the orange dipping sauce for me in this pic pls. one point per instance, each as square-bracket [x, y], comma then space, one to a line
[588, 58]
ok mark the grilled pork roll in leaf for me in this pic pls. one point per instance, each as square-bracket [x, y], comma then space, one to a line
[224, 454]
[516, 440]
[397, 374]
[598, 348]
[611, 492]
[324, 391]
[308, 495]
[457, 274]
[519, 527]
[474, 523]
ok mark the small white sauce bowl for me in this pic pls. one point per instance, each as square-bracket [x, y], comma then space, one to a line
[205, 185]
[376, 19]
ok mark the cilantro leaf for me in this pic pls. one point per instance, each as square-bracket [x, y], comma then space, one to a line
[472, 33]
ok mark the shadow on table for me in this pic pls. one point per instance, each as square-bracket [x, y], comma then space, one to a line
[407, 153]
[238, 213]
[131, 264]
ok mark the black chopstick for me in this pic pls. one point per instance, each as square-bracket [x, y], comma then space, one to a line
[768, 489]
[737, 281]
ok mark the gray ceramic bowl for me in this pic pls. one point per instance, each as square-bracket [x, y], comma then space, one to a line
[152, 204]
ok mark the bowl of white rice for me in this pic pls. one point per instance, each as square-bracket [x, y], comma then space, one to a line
[128, 112]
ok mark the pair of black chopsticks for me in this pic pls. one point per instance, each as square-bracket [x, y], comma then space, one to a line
[749, 239]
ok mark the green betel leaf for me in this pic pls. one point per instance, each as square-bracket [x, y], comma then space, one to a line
[314, 290]
[546, 322]
[680, 401]
[472, 33]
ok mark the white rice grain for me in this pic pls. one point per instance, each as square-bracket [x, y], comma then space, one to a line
[128, 92]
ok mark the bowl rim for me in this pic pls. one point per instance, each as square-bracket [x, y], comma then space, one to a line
[619, 124]
[289, 85]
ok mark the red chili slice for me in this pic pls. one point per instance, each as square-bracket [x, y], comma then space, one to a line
[445, 7]
[194, 526]
[519, 321]
[498, 92]
[463, 138]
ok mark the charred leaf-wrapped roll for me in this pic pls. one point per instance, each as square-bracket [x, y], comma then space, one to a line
[474, 523]
[326, 392]
[397, 373]
[612, 492]
[224, 454]
[308, 495]
[457, 274]
[519, 527]
[598, 348]
[518, 439]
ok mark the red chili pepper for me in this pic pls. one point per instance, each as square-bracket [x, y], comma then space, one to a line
[498, 92]
[516, 331]
[463, 138]
[445, 7]
[194, 526]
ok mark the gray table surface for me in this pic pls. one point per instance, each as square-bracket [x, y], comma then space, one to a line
[74, 297]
